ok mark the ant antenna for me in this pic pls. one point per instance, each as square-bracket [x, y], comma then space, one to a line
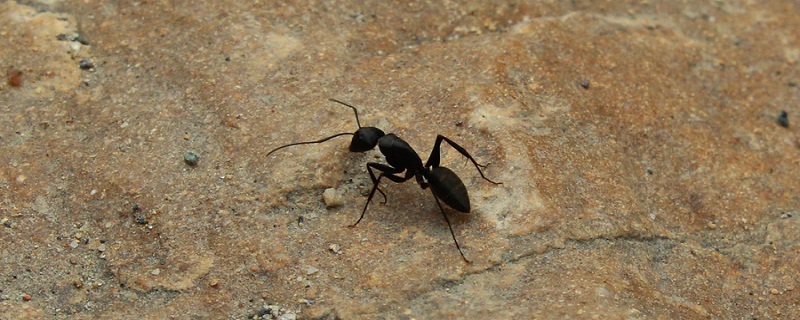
[325, 139]
[310, 142]
[351, 107]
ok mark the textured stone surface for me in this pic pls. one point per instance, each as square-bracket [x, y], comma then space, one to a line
[644, 173]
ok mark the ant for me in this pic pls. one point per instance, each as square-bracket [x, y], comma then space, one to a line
[445, 185]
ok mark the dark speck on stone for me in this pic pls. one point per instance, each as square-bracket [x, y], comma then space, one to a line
[261, 313]
[783, 119]
[85, 63]
[140, 218]
[191, 158]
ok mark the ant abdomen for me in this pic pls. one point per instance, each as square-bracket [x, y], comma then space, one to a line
[448, 187]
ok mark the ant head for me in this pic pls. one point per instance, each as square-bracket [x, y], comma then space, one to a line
[365, 139]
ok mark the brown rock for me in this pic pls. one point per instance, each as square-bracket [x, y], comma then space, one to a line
[644, 172]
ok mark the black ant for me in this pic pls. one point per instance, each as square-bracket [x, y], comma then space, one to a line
[443, 182]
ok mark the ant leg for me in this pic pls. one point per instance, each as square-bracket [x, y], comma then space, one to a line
[383, 194]
[451, 229]
[386, 171]
[434, 158]
[375, 182]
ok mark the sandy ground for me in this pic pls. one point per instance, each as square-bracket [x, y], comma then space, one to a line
[647, 171]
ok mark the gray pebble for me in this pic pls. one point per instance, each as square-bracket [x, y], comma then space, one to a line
[85, 63]
[191, 158]
[311, 270]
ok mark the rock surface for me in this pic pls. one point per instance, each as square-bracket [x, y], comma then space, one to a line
[644, 172]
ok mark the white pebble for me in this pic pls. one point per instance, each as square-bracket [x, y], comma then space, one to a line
[332, 198]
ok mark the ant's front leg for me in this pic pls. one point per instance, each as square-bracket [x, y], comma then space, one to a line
[386, 171]
[435, 157]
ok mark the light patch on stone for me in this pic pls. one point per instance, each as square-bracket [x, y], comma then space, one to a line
[31, 43]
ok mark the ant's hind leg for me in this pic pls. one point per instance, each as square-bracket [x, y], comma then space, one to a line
[435, 157]
[451, 229]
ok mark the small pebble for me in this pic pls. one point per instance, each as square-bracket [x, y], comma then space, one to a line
[332, 198]
[155, 272]
[335, 248]
[73, 244]
[585, 84]
[140, 218]
[7, 223]
[85, 64]
[261, 314]
[191, 158]
[783, 119]
[101, 247]
[15, 78]
[311, 270]
[26, 297]
[288, 316]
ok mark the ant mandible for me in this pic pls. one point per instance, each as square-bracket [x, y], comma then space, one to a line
[445, 185]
